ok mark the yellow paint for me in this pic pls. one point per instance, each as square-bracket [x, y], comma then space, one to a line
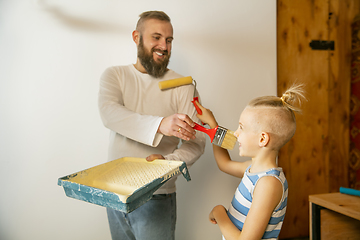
[125, 175]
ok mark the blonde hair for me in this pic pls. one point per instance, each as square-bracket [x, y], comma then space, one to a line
[281, 122]
[291, 97]
[159, 15]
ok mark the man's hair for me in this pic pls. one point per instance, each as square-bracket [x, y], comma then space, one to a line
[159, 15]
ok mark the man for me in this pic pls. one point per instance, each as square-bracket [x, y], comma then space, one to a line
[147, 122]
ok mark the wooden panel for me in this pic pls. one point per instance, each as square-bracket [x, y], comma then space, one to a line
[304, 157]
[337, 226]
[342, 14]
[316, 159]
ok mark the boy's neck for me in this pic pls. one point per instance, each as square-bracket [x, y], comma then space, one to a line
[264, 162]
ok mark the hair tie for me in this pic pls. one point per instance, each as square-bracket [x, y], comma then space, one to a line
[282, 99]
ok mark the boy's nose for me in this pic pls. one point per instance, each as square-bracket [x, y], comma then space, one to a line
[236, 134]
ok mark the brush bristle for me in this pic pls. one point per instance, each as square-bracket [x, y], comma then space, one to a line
[229, 140]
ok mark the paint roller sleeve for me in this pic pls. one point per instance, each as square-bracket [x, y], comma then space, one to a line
[175, 82]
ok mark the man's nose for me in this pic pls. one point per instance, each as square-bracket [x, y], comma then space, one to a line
[163, 44]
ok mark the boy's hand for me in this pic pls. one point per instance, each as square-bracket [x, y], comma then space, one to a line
[206, 116]
[212, 218]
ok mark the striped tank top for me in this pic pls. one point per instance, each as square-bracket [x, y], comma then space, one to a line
[241, 202]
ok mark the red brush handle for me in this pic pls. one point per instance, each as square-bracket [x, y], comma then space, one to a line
[210, 132]
[196, 106]
[198, 110]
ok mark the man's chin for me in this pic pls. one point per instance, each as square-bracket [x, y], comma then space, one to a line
[159, 60]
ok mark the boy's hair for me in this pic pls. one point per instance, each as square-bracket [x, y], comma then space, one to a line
[280, 122]
[294, 95]
[159, 15]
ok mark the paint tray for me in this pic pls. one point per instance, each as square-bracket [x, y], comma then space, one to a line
[123, 184]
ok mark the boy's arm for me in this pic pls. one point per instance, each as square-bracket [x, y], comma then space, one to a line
[266, 197]
[219, 216]
[228, 166]
[221, 155]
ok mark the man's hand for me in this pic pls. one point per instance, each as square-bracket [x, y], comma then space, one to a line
[152, 157]
[178, 125]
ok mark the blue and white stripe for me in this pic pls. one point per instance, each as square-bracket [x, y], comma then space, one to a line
[241, 202]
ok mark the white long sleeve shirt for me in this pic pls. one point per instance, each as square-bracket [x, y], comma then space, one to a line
[132, 106]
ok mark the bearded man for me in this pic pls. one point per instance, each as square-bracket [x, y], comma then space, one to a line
[149, 123]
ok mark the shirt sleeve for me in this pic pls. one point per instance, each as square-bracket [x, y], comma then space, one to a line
[189, 151]
[121, 120]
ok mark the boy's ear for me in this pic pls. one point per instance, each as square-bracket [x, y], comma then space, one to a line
[136, 36]
[264, 139]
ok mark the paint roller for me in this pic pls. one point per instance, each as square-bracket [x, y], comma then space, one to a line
[219, 136]
[163, 85]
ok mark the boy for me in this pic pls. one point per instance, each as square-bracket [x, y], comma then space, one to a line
[258, 207]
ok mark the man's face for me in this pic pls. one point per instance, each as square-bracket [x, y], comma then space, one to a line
[154, 48]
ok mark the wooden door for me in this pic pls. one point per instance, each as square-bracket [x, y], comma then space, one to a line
[316, 159]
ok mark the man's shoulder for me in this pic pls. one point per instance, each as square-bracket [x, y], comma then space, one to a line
[118, 70]
[120, 67]
[171, 74]
[116, 73]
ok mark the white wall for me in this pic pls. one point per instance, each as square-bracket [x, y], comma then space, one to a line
[52, 54]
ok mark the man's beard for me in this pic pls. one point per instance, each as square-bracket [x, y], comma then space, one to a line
[153, 68]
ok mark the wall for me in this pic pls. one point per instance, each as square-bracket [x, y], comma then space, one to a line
[52, 54]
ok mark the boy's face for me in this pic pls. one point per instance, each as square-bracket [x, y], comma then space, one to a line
[248, 133]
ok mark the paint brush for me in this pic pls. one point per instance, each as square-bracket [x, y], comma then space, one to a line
[219, 136]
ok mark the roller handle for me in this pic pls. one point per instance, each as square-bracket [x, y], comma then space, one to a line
[198, 110]
[210, 132]
[196, 99]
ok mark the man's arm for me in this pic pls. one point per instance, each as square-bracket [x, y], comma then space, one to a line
[189, 151]
[149, 129]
